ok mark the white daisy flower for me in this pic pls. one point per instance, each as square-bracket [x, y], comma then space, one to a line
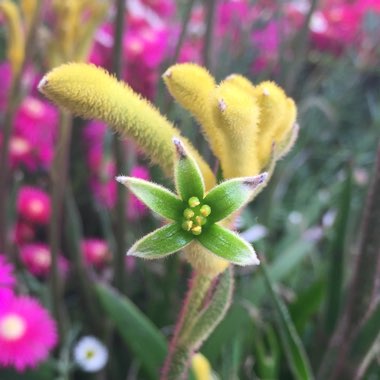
[90, 354]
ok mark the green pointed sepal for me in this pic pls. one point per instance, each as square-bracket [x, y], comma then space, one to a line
[188, 178]
[231, 195]
[161, 242]
[156, 197]
[228, 245]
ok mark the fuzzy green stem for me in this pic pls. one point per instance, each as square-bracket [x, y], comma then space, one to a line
[196, 298]
[177, 361]
[179, 364]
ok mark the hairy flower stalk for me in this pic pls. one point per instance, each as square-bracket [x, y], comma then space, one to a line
[248, 128]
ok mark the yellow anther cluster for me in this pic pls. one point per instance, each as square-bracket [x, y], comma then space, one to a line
[196, 216]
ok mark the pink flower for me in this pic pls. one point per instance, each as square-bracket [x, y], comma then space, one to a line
[7, 278]
[266, 43]
[96, 252]
[21, 152]
[34, 205]
[36, 121]
[27, 332]
[37, 259]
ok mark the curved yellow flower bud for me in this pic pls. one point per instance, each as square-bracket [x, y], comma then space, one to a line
[16, 40]
[192, 86]
[237, 115]
[278, 115]
[201, 367]
[243, 83]
[92, 93]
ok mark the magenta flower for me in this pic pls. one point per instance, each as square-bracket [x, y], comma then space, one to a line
[21, 152]
[37, 259]
[96, 252]
[36, 121]
[27, 332]
[34, 205]
[7, 279]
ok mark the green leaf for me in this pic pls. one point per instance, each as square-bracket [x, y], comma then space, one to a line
[156, 197]
[228, 245]
[231, 195]
[139, 334]
[335, 279]
[161, 242]
[188, 178]
[293, 348]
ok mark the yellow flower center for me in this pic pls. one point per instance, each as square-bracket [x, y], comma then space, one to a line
[196, 216]
[12, 327]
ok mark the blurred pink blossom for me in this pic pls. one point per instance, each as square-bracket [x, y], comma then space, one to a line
[96, 252]
[36, 123]
[27, 332]
[34, 205]
[37, 259]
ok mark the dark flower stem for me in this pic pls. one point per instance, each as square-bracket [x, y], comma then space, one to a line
[58, 177]
[120, 208]
[182, 36]
[178, 357]
[209, 34]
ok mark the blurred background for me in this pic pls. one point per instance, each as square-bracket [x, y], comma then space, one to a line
[65, 225]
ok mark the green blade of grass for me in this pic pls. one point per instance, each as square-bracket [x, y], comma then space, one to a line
[138, 332]
[336, 256]
[292, 345]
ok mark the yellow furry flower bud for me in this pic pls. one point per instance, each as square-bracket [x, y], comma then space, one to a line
[237, 115]
[277, 117]
[201, 367]
[242, 82]
[192, 86]
[16, 40]
[92, 93]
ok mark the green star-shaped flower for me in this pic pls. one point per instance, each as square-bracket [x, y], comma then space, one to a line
[194, 213]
